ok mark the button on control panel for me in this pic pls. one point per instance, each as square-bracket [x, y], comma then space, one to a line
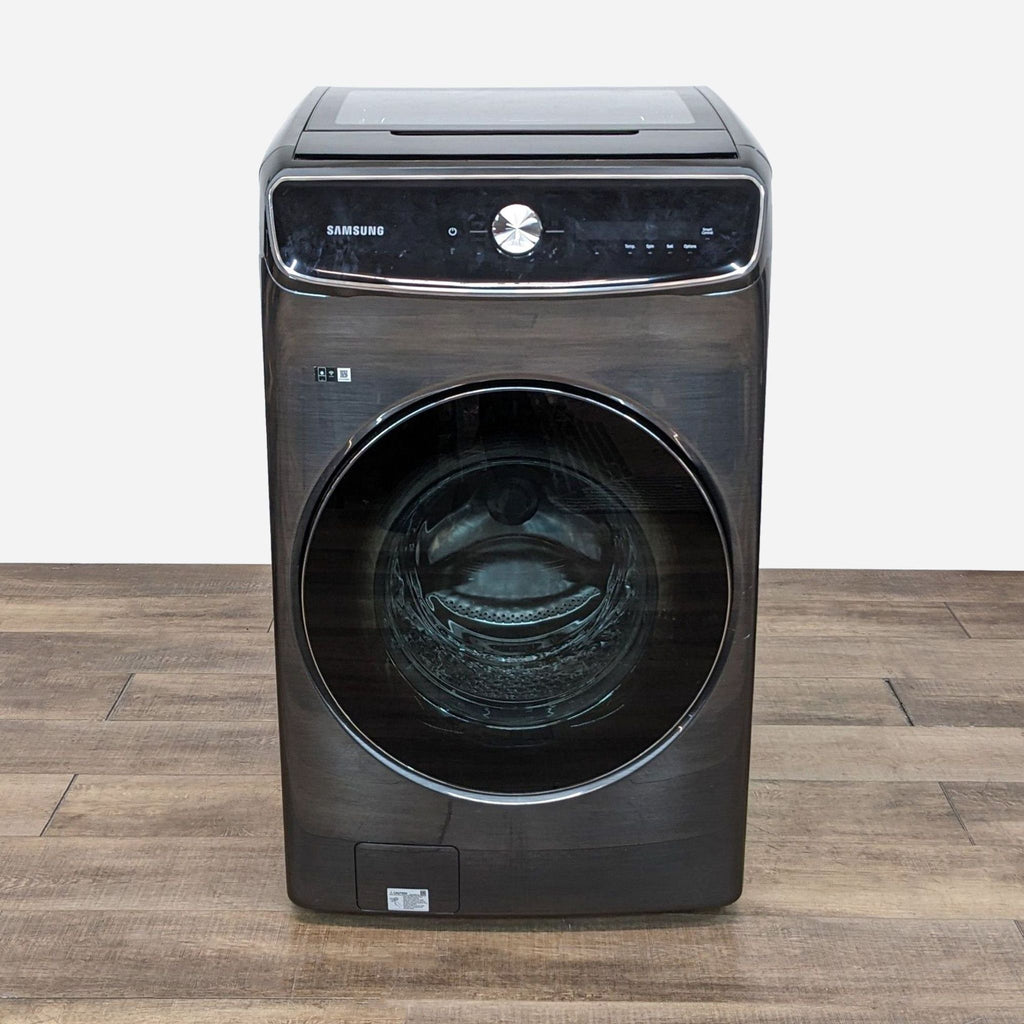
[516, 229]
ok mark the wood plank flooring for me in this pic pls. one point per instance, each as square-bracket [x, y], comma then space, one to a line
[140, 842]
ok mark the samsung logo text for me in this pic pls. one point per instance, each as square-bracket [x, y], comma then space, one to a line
[355, 229]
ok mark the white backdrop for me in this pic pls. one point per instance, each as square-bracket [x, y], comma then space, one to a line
[131, 389]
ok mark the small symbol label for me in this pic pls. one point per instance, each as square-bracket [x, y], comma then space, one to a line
[453, 231]
[409, 899]
[707, 232]
[333, 374]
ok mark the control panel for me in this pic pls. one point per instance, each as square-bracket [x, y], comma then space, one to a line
[486, 232]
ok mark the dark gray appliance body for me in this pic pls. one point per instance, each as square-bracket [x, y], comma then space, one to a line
[680, 357]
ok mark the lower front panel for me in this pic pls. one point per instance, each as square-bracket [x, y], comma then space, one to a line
[692, 874]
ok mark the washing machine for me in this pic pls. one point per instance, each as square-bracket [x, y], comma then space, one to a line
[514, 353]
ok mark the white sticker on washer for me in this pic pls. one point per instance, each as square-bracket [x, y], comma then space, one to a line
[344, 374]
[408, 899]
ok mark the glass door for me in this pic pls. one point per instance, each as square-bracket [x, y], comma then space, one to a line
[514, 590]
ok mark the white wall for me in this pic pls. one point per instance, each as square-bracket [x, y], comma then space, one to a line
[131, 391]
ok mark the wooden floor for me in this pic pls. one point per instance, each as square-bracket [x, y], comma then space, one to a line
[140, 864]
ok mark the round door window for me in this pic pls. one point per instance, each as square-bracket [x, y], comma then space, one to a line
[514, 590]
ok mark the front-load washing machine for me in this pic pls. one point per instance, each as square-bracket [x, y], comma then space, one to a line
[514, 351]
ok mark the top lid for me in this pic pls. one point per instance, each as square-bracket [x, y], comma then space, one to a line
[512, 110]
[514, 122]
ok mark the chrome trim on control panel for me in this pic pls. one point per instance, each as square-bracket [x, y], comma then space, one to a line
[387, 423]
[515, 288]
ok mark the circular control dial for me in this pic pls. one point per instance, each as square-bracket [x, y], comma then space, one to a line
[516, 229]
